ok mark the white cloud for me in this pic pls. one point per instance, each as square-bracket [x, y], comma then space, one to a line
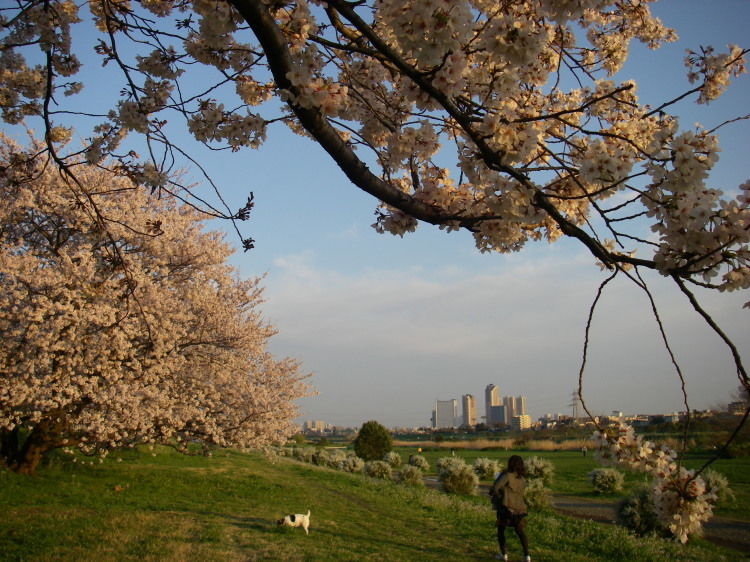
[384, 344]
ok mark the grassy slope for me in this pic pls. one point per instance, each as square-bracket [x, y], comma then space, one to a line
[224, 508]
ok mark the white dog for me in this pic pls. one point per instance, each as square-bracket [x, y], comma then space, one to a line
[296, 520]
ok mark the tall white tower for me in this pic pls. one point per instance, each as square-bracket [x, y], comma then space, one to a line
[510, 408]
[520, 405]
[491, 398]
[469, 410]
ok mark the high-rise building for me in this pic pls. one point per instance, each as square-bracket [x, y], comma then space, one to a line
[514, 406]
[444, 414]
[491, 398]
[510, 408]
[469, 410]
[498, 414]
[520, 405]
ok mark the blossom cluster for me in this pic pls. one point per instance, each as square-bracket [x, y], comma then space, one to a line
[213, 123]
[425, 31]
[681, 500]
[130, 331]
[700, 230]
[485, 77]
[715, 70]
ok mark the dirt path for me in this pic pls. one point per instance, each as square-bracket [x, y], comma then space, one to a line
[728, 533]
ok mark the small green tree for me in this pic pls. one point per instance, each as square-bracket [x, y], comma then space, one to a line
[373, 441]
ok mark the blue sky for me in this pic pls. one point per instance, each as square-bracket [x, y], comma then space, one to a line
[389, 325]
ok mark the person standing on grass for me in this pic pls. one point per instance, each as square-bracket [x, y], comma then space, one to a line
[506, 495]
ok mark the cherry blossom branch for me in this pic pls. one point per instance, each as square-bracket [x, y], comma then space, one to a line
[255, 13]
[274, 45]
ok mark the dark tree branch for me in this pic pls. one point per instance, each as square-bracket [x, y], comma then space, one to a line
[271, 39]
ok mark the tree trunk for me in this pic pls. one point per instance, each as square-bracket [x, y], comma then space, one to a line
[48, 434]
[29, 458]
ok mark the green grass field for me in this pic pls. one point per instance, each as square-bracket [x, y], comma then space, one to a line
[171, 507]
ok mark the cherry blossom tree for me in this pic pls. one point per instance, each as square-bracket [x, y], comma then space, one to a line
[519, 97]
[133, 332]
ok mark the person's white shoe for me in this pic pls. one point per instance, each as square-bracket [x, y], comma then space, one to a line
[501, 557]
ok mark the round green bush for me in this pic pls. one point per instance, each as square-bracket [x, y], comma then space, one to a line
[606, 480]
[334, 457]
[457, 477]
[538, 468]
[351, 463]
[535, 495]
[373, 441]
[304, 454]
[636, 512]
[411, 475]
[444, 462]
[485, 468]
[378, 469]
[320, 457]
[393, 459]
[419, 462]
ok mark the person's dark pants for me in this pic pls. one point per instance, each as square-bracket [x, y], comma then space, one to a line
[521, 536]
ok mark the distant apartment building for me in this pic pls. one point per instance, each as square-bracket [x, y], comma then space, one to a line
[469, 407]
[520, 422]
[314, 425]
[444, 414]
[491, 398]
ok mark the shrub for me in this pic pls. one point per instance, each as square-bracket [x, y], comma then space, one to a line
[606, 480]
[320, 457]
[304, 454]
[393, 459]
[351, 463]
[334, 457]
[411, 475]
[419, 462]
[373, 441]
[457, 477]
[538, 468]
[485, 468]
[719, 484]
[535, 495]
[378, 469]
[444, 462]
[636, 512]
